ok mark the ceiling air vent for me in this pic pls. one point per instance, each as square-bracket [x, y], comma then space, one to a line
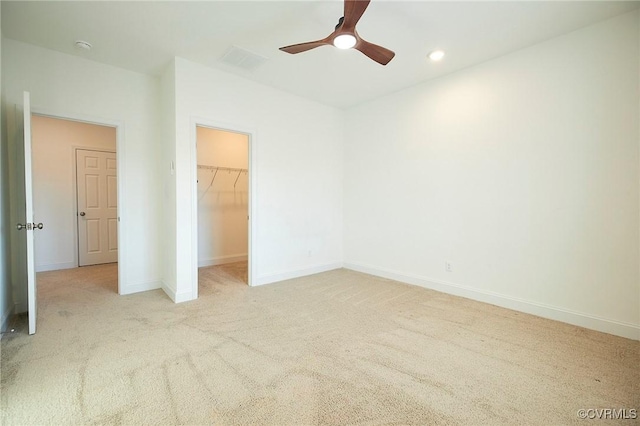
[241, 58]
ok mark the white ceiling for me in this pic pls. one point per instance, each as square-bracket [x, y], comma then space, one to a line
[145, 36]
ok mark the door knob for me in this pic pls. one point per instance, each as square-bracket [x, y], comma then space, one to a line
[82, 213]
[29, 226]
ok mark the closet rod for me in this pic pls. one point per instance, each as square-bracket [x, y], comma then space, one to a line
[231, 169]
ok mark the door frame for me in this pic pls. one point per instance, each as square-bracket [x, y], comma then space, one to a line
[120, 160]
[253, 189]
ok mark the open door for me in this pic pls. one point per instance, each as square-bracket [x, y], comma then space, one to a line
[29, 225]
[22, 241]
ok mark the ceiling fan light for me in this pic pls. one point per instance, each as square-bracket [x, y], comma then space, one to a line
[344, 41]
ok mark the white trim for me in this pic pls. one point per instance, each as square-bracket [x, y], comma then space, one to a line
[56, 266]
[120, 159]
[253, 191]
[168, 290]
[83, 118]
[222, 260]
[176, 297]
[144, 286]
[618, 328]
[297, 273]
[183, 297]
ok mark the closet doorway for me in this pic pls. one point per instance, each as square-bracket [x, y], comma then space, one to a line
[223, 203]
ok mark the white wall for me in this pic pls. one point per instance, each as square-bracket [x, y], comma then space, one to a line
[73, 87]
[222, 197]
[168, 149]
[6, 296]
[297, 163]
[54, 142]
[523, 172]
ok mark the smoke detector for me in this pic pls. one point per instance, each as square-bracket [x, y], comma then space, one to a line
[85, 45]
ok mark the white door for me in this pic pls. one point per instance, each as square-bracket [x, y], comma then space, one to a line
[97, 193]
[21, 193]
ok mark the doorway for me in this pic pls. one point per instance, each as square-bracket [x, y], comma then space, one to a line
[223, 202]
[60, 147]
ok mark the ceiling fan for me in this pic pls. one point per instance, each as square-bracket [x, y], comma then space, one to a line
[345, 36]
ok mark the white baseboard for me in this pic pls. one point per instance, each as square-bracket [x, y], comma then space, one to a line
[137, 288]
[169, 291]
[6, 316]
[55, 266]
[287, 275]
[21, 307]
[183, 297]
[221, 260]
[630, 331]
[176, 297]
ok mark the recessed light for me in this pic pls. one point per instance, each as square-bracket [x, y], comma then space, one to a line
[80, 44]
[436, 55]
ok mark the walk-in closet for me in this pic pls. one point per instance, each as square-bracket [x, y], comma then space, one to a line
[223, 200]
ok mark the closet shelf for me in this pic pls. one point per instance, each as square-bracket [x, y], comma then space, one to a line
[216, 169]
[230, 169]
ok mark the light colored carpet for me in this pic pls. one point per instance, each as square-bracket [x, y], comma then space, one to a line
[334, 348]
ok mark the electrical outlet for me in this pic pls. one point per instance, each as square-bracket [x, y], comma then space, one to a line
[448, 266]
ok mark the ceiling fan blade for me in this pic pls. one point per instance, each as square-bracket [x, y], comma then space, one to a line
[353, 10]
[303, 47]
[375, 52]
